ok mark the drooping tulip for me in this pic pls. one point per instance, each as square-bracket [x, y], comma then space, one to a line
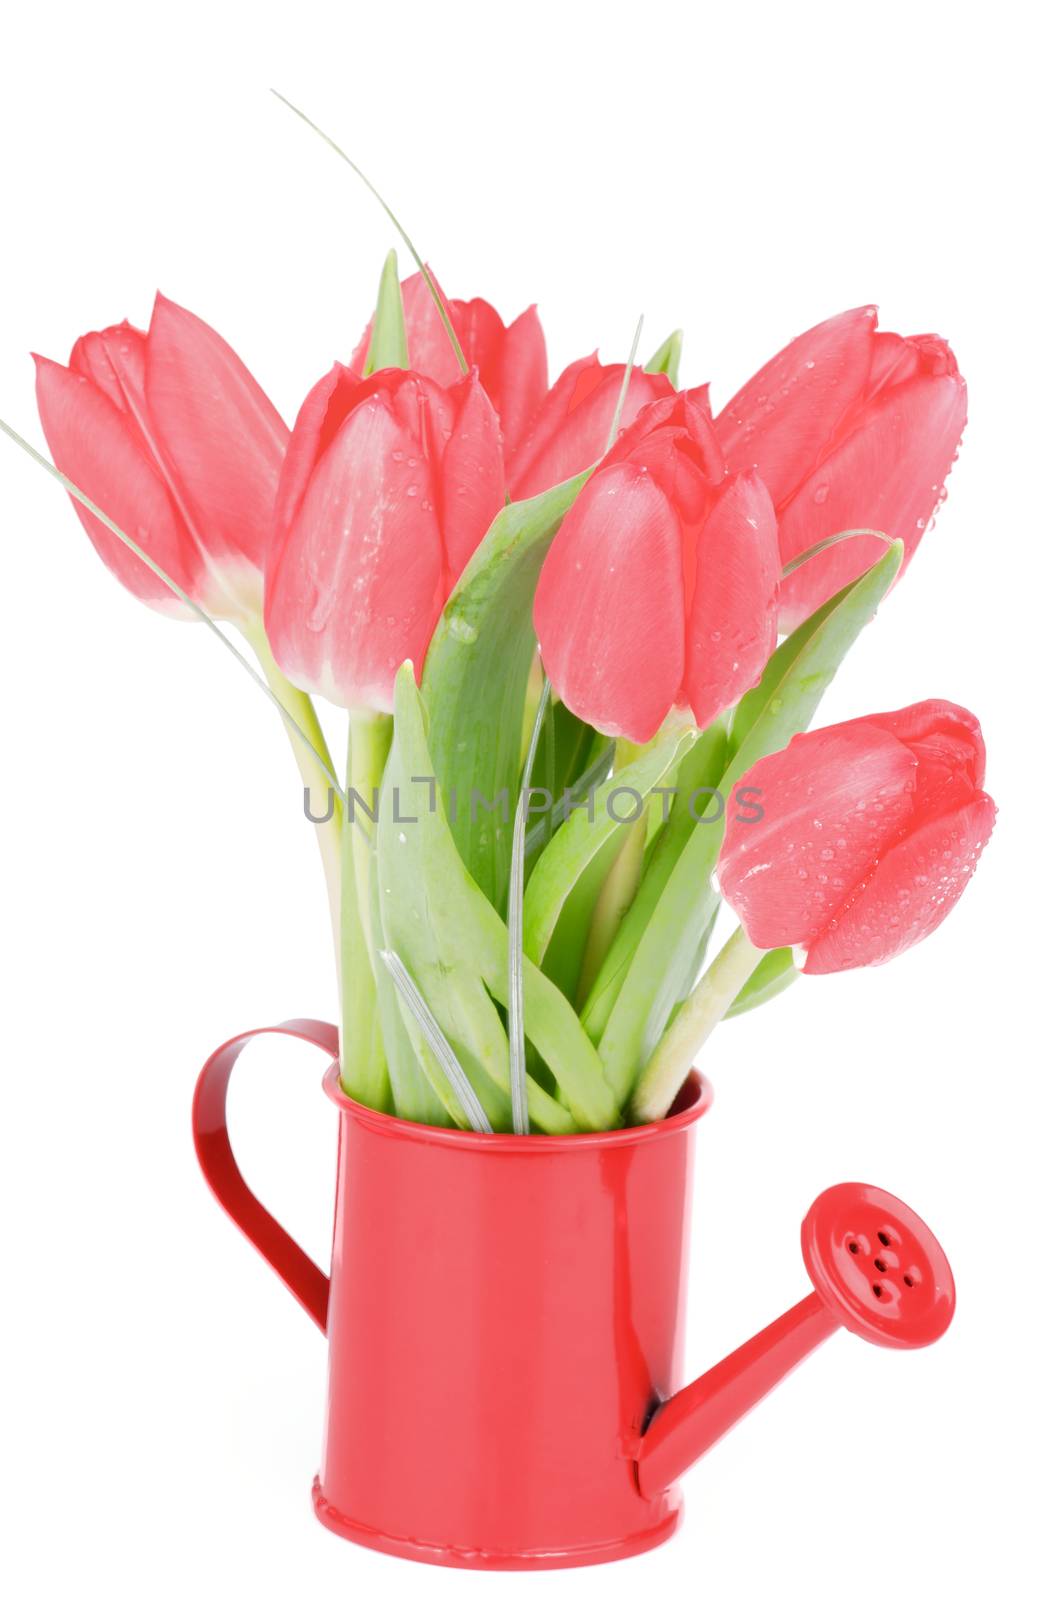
[570, 429]
[389, 484]
[660, 588]
[849, 428]
[511, 362]
[867, 836]
[170, 435]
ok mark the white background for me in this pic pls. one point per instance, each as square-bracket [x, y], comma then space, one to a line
[743, 172]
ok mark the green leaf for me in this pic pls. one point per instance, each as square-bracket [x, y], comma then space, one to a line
[600, 756]
[774, 973]
[566, 745]
[419, 920]
[700, 770]
[800, 671]
[454, 944]
[420, 1089]
[564, 957]
[653, 982]
[582, 836]
[389, 346]
[667, 358]
[474, 682]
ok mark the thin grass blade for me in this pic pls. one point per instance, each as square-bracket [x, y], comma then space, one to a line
[181, 594]
[826, 544]
[439, 1044]
[516, 1012]
[624, 390]
[439, 303]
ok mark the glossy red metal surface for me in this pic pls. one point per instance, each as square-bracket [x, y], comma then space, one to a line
[504, 1312]
[212, 1146]
[876, 1268]
[504, 1322]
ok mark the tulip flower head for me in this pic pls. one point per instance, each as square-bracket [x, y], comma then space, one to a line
[660, 588]
[869, 834]
[849, 428]
[570, 429]
[511, 362]
[170, 435]
[388, 487]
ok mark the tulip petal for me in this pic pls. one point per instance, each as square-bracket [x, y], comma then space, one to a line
[357, 586]
[831, 802]
[520, 383]
[114, 360]
[609, 610]
[481, 334]
[732, 625]
[571, 427]
[887, 474]
[511, 361]
[430, 348]
[319, 419]
[945, 738]
[99, 449]
[781, 420]
[894, 359]
[472, 476]
[221, 435]
[916, 885]
[685, 413]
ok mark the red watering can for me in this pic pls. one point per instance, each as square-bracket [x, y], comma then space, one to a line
[504, 1321]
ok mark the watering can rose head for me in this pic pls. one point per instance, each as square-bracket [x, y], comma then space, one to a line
[511, 362]
[387, 489]
[849, 428]
[661, 587]
[868, 835]
[170, 435]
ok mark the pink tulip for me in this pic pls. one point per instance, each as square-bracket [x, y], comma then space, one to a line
[389, 484]
[849, 428]
[170, 435]
[869, 834]
[511, 362]
[660, 589]
[570, 428]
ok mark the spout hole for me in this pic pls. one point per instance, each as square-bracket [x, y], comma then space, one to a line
[884, 1238]
[853, 1247]
[877, 1290]
[909, 1281]
[881, 1266]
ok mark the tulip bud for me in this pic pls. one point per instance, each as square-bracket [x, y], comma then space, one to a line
[388, 487]
[870, 832]
[511, 361]
[570, 429]
[170, 435]
[849, 428]
[660, 588]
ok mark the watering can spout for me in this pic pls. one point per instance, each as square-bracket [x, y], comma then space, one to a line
[687, 1425]
[876, 1269]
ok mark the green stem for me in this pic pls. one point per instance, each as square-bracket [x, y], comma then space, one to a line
[620, 885]
[693, 1023]
[322, 799]
[362, 1068]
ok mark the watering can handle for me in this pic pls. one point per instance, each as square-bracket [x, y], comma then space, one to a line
[212, 1146]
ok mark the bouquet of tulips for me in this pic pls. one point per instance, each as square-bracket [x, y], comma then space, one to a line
[580, 631]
